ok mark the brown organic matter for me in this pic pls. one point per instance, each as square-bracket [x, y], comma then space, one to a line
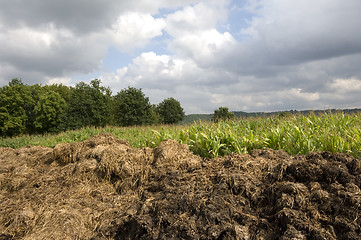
[103, 188]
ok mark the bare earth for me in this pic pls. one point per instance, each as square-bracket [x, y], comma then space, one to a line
[103, 188]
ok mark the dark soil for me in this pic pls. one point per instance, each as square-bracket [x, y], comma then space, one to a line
[103, 188]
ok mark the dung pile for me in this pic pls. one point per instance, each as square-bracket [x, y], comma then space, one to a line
[103, 188]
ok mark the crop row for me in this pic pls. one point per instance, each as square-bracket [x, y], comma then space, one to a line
[294, 134]
[299, 134]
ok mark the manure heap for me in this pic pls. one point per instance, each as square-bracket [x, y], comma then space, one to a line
[103, 188]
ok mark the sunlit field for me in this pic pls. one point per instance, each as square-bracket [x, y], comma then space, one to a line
[295, 134]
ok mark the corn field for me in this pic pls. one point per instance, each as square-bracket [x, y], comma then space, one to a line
[295, 134]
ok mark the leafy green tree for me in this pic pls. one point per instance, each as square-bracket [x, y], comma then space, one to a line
[102, 98]
[155, 117]
[222, 114]
[15, 81]
[35, 91]
[64, 91]
[170, 111]
[88, 105]
[49, 112]
[11, 120]
[16, 103]
[132, 107]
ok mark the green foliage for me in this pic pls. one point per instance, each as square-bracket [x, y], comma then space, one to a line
[222, 114]
[15, 81]
[191, 118]
[132, 108]
[33, 109]
[170, 111]
[35, 91]
[39, 109]
[49, 112]
[29, 109]
[16, 103]
[88, 105]
[155, 117]
[293, 134]
[64, 91]
[11, 124]
[138, 136]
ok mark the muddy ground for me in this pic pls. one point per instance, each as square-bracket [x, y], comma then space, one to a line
[103, 188]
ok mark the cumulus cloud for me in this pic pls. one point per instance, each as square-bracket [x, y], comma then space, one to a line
[204, 46]
[345, 85]
[289, 58]
[283, 55]
[80, 16]
[295, 32]
[195, 34]
[59, 80]
[202, 16]
[42, 40]
[163, 76]
[49, 51]
[152, 72]
[134, 30]
[342, 93]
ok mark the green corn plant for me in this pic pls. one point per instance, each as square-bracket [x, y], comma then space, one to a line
[274, 138]
[296, 134]
[183, 136]
[160, 136]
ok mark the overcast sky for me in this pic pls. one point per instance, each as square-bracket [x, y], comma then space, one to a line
[248, 55]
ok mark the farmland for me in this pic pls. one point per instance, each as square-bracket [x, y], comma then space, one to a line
[295, 134]
[280, 177]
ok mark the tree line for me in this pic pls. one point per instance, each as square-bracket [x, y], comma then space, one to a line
[29, 109]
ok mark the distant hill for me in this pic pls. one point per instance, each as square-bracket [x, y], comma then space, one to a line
[190, 118]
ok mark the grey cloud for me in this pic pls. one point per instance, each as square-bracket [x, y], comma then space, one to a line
[78, 15]
[291, 56]
[64, 55]
[44, 39]
[305, 53]
[288, 33]
[290, 61]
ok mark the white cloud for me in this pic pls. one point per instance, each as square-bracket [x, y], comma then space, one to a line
[202, 16]
[157, 65]
[31, 42]
[150, 71]
[203, 46]
[297, 94]
[59, 80]
[163, 76]
[80, 16]
[50, 51]
[195, 34]
[134, 30]
[290, 32]
[42, 40]
[290, 60]
[345, 86]
[292, 55]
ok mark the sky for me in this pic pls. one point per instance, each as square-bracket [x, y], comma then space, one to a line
[247, 55]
